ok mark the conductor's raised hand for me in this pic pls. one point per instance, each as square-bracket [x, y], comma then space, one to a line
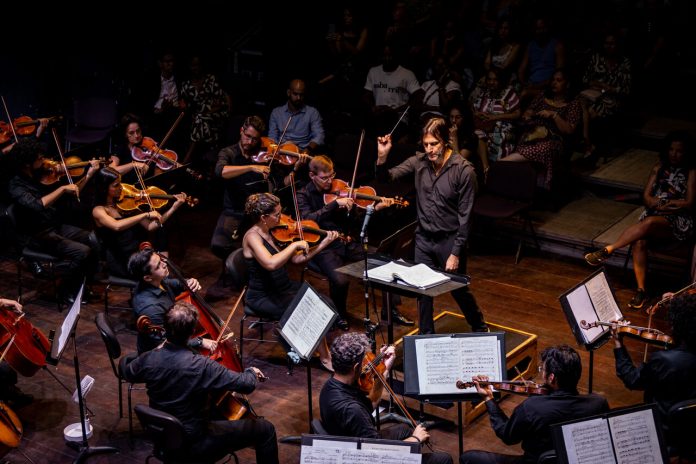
[384, 144]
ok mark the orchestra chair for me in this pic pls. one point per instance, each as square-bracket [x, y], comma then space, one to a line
[93, 121]
[23, 254]
[318, 427]
[111, 283]
[168, 437]
[681, 417]
[508, 193]
[113, 349]
[236, 269]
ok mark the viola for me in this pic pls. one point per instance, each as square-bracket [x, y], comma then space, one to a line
[149, 150]
[10, 429]
[53, 170]
[287, 231]
[286, 154]
[29, 347]
[371, 363]
[643, 334]
[521, 387]
[23, 125]
[132, 198]
[363, 196]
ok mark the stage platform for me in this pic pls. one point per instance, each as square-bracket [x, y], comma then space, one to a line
[521, 362]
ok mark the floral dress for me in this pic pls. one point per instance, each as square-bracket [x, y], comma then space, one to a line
[499, 134]
[206, 124]
[619, 77]
[671, 184]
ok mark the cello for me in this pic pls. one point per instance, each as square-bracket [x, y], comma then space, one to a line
[10, 429]
[25, 346]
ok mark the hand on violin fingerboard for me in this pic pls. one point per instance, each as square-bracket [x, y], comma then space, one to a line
[486, 392]
[384, 203]
[389, 356]
[618, 341]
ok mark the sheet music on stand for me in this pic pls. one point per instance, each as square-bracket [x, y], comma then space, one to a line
[592, 300]
[434, 363]
[327, 449]
[623, 436]
[60, 337]
[419, 276]
[307, 322]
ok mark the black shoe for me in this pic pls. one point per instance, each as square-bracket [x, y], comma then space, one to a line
[398, 318]
[342, 324]
[481, 328]
[638, 299]
[37, 269]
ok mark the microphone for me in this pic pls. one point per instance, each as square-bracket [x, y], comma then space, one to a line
[368, 214]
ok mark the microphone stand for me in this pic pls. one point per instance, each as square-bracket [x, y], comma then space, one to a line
[370, 327]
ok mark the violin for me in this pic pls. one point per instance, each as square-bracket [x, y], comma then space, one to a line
[643, 334]
[132, 198]
[371, 363]
[25, 346]
[287, 231]
[10, 429]
[149, 150]
[362, 196]
[521, 387]
[53, 170]
[23, 125]
[286, 154]
[688, 290]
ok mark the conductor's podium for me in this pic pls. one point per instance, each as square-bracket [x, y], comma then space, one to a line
[520, 358]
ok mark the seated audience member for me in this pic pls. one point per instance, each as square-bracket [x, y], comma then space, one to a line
[180, 382]
[346, 410]
[669, 199]
[305, 129]
[530, 422]
[543, 55]
[669, 376]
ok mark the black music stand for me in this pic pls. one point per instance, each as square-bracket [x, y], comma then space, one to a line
[59, 340]
[356, 270]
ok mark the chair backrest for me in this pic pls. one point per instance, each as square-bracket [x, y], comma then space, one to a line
[681, 417]
[166, 431]
[95, 112]
[236, 268]
[113, 347]
[514, 180]
[318, 427]
[548, 457]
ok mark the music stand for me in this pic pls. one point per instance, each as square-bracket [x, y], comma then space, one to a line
[59, 340]
[304, 325]
[591, 300]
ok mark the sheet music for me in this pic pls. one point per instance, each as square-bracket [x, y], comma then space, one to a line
[581, 305]
[602, 299]
[587, 442]
[68, 324]
[420, 275]
[321, 455]
[306, 324]
[444, 360]
[635, 438]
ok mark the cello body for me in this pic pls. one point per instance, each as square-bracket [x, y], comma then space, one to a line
[10, 429]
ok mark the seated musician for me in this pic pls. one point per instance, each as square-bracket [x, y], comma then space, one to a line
[530, 422]
[270, 288]
[180, 381]
[39, 219]
[346, 410]
[333, 216]
[155, 295]
[120, 236]
[130, 128]
[9, 392]
[669, 376]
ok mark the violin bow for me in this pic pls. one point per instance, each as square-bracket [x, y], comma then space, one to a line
[9, 119]
[139, 175]
[280, 140]
[7, 348]
[229, 316]
[355, 168]
[399, 121]
[62, 161]
[652, 309]
[298, 224]
[165, 140]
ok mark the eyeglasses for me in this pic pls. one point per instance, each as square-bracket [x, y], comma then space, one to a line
[251, 137]
[325, 178]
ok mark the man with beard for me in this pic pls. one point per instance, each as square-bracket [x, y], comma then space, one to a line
[39, 221]
[306, 129]
[445, 187]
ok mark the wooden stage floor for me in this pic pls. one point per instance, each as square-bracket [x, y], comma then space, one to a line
[522, 296]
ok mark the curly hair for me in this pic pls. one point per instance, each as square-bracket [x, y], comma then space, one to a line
[26, 151]
[347, 350]
[259, 204]
[564, 363]
[682, 318]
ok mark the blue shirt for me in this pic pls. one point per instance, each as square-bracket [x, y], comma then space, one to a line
[306, 126]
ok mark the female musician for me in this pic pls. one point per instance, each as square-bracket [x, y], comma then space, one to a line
[669, 376]
[131, 130]
[270, 288]
[347, 411]
[120, 236]
[9, 391]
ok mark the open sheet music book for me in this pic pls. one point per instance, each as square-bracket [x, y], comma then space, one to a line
[419, 276]
[591, 301]
[618, 437]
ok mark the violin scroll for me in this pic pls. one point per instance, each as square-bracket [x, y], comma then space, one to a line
[145, 326]
[518, 387]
